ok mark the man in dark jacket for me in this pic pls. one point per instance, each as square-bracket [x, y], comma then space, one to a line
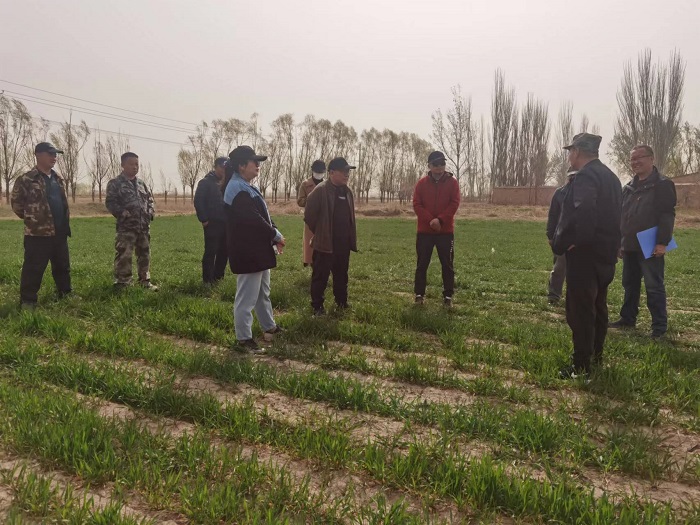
[330, 215]
[649, 200]
[558, 274]
[130, 202]
[39, 198]
[588, 233]
[209, 204]
[251, 240]
[435, 201]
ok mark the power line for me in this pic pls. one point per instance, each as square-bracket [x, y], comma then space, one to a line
[96, 112]
[98, 103]
[119, 133]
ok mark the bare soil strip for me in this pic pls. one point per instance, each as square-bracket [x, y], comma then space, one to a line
[101, 496]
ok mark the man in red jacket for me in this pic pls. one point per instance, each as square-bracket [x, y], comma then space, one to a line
[435, 201]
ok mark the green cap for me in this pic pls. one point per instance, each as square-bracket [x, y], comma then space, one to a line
[585, 142]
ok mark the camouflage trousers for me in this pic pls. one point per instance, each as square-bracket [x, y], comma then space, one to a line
[125, 244]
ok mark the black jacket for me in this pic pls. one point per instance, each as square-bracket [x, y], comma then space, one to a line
[209, 200]
[249, 235]
[555, 210]
[590, 216]
[645, 205]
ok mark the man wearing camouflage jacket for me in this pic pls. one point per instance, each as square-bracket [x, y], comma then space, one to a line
[130, 201]
[39, 198]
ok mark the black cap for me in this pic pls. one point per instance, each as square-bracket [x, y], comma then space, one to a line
[318, 166]
[244, 154]
[46, 147]
[221, 161]
[436, 156]
[585, 142]
[339, 164]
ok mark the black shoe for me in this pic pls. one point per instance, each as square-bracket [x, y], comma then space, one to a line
[342, 306]
[419, 299]
[447, 302]
[621, 324]
[553, 300]
[572, 372]
[319, 312]
[250, 346]
[30, 307]
[658, 335]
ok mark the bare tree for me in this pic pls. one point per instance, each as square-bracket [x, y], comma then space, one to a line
[190, 167]
[685, 158]
[367, 163]
[503, 124]
[116, 146]
[71, 140]
[454, 134]
[99, 166]
[16, 128]
[146, 175]
[564, 134]
[165, 185]
[650, 103]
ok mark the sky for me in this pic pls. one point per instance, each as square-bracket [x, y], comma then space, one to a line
[370, 63]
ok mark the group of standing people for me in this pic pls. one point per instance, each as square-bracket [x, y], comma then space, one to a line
[39, 199]
[593, 221]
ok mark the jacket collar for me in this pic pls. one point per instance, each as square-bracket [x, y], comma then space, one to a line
[651, 180]
[35, 174]
[444, 177]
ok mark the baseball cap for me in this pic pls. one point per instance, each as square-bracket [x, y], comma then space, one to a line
[46, 147]
[585, 142]
[243, 154]
[436, 156]
[339, 164]
[221, 161]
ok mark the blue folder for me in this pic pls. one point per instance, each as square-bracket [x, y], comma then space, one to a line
[647, 241]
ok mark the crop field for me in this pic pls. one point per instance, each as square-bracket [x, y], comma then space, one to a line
[132, 407]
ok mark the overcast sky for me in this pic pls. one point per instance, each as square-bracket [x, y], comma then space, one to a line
[381, 63]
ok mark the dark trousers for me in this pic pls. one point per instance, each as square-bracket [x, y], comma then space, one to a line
[38, 251]
[587, 282]
[324, 264]
[635, 268]
[215, 255]
[425, 242]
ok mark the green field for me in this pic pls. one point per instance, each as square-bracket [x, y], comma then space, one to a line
[131, 407]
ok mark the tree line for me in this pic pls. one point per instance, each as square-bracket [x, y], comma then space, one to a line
[517, 145]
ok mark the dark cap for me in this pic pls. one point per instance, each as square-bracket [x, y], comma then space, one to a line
[339, 164]
[221, 161]
[585, 142]
[318, 166]
[436, 156]
[244, 154]
[46, 147]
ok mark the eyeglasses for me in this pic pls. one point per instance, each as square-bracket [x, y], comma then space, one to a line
[635, 159]
[438, 163]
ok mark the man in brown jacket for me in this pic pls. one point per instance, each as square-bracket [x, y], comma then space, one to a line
[330, 215]
[39, 197]
[318, 170]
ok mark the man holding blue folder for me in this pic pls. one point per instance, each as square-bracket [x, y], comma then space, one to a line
[648, 201]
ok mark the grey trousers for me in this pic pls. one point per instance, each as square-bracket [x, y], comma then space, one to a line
[252, 293]
[557, 277]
